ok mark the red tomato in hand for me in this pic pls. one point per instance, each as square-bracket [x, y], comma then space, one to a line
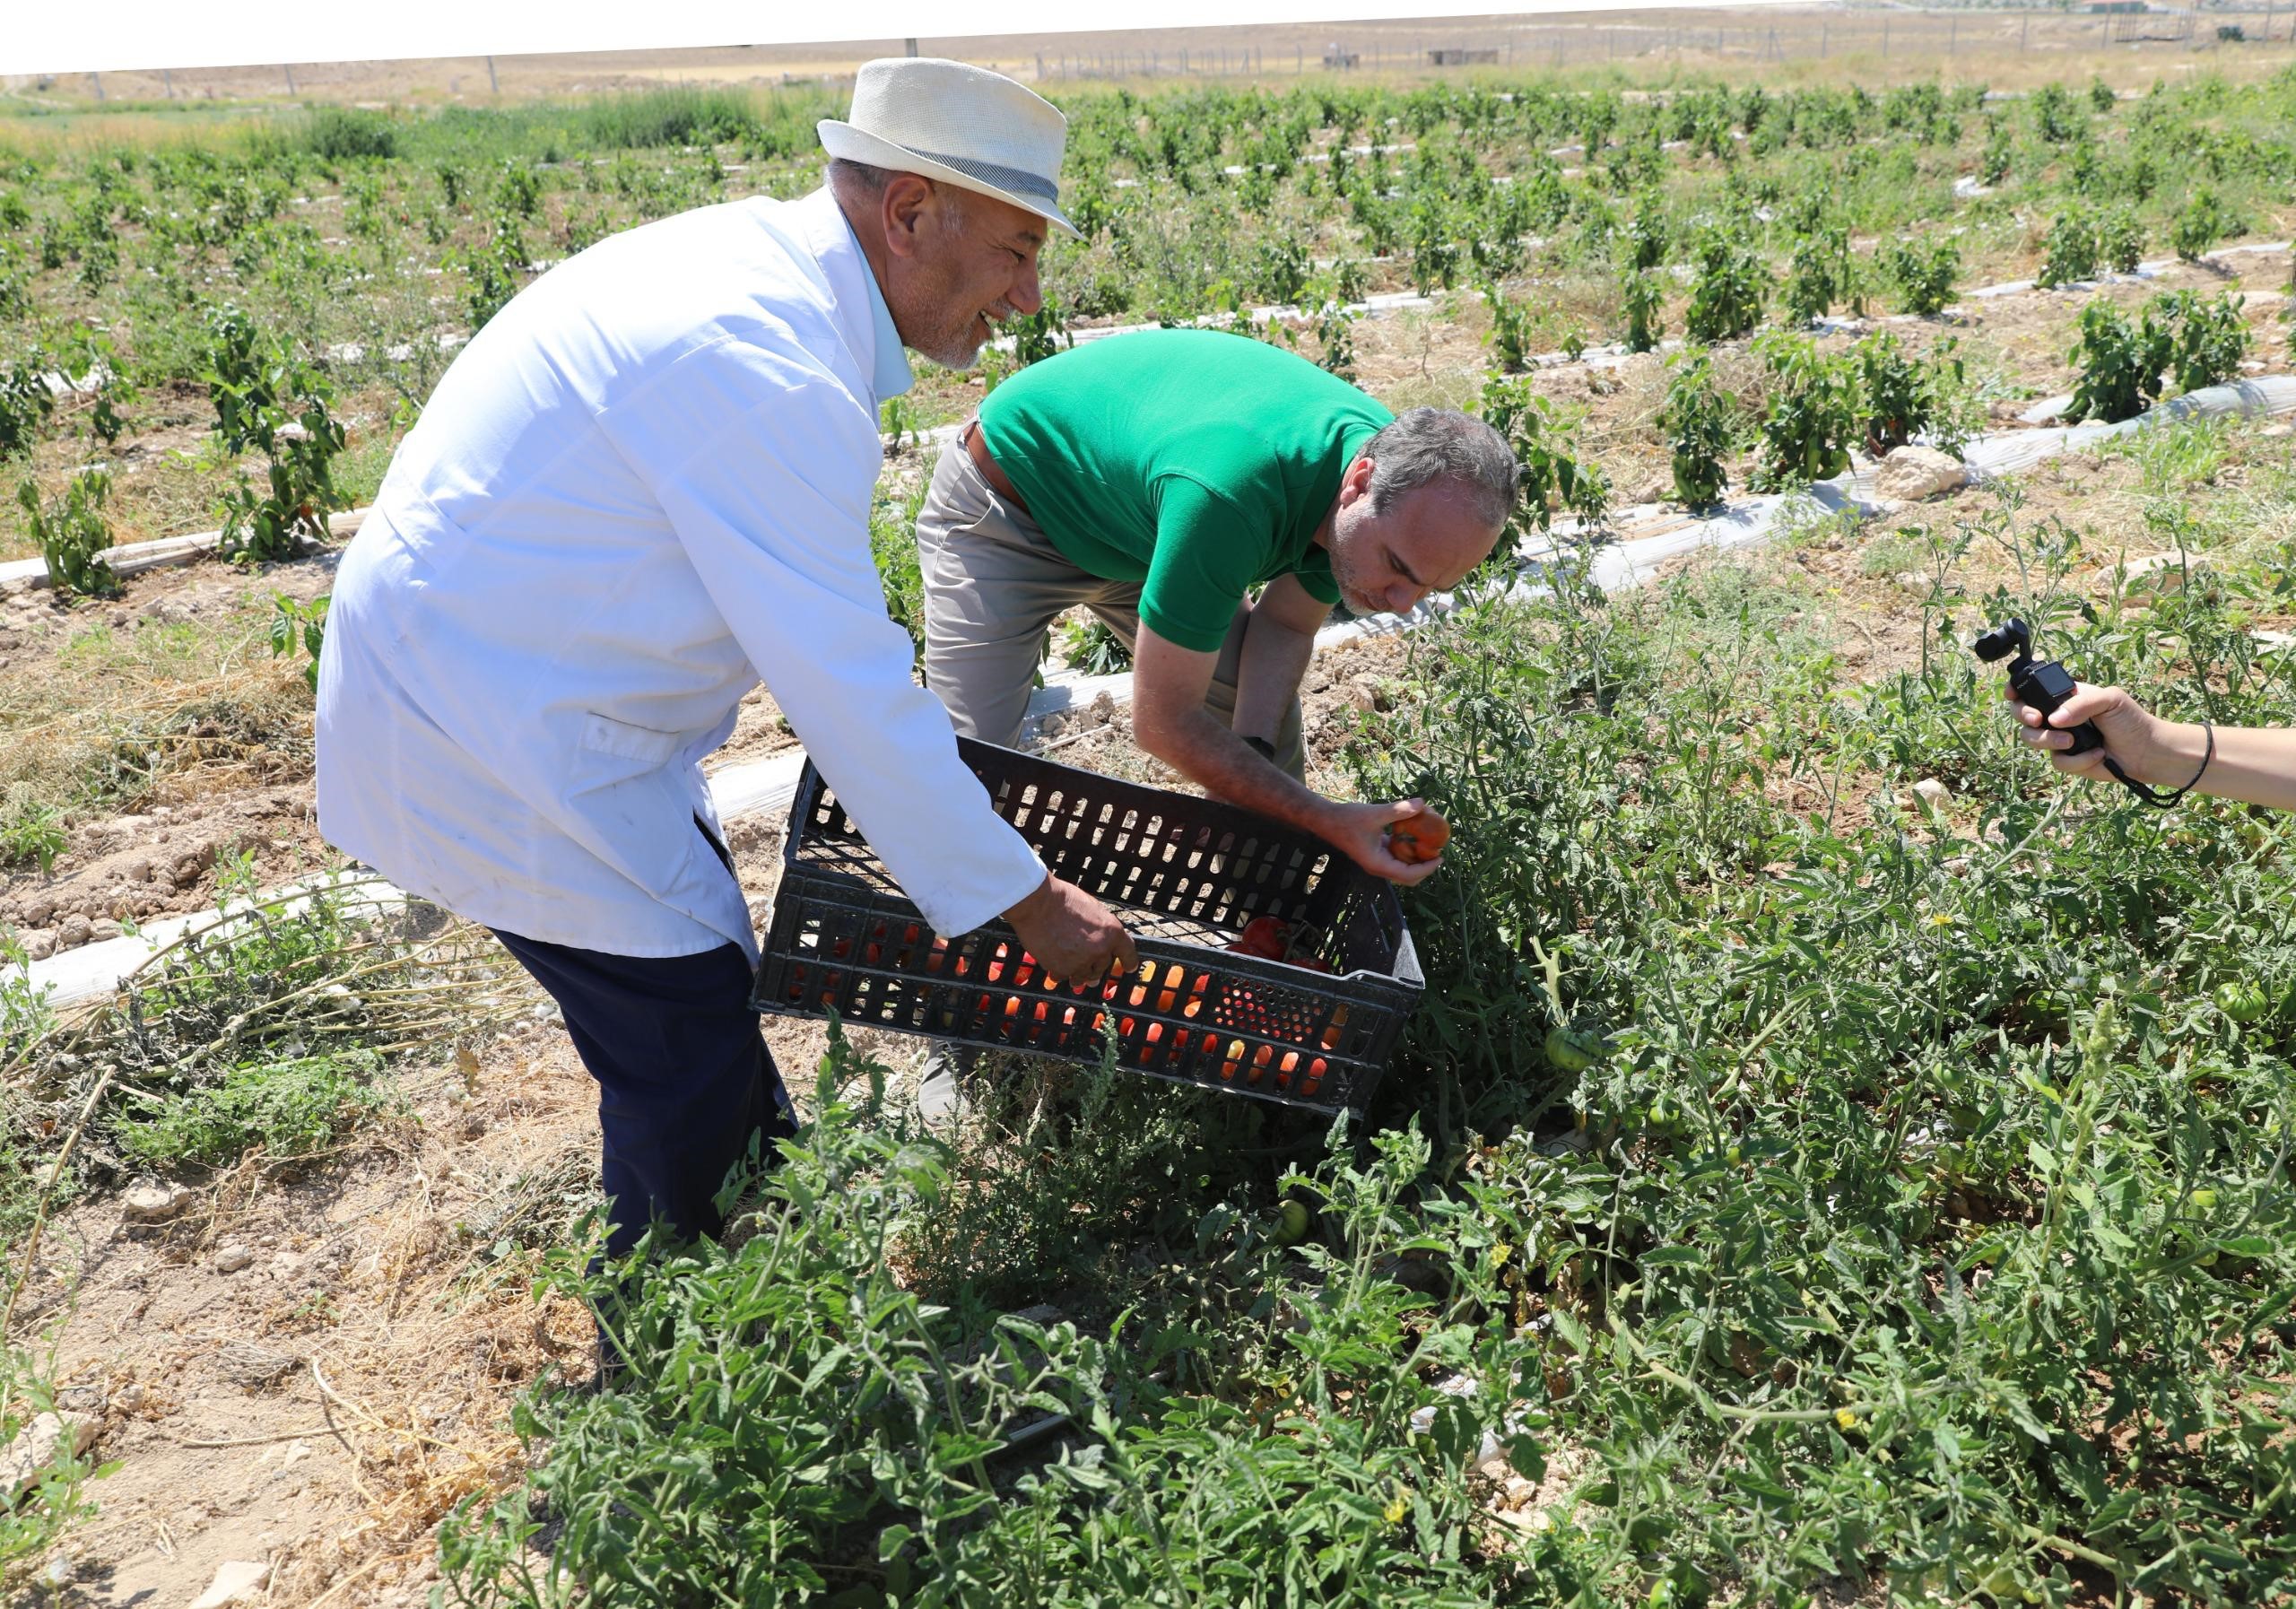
[1418, 839]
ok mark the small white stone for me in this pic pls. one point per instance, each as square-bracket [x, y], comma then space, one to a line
[36, 1447]
[236, 1580]
[2150, 575]
[232, 1258]
[1934, 792]
[150, 1203]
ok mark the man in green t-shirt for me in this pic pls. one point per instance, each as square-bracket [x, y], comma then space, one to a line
[1160, 480]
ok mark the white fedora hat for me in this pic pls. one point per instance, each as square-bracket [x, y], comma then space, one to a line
[949, 120]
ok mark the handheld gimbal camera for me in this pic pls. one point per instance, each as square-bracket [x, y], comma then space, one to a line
[2044, 685]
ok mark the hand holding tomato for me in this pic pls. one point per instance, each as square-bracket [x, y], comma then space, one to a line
[1362, 831]
[1419, 838]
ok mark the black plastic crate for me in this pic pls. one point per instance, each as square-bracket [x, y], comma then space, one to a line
[1185, 873]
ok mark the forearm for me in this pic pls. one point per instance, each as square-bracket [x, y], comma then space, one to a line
[1267, 677]
[1193, 743]
[2254, 765]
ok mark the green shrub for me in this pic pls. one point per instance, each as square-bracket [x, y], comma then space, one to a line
[1727, 297]
[1092, 648]
[674, 115]
[2072, 250]
[1512, 324]
[2209, 338]
[1822, 273]
[337, 133]
[2120, 361]
[1701, 426]
[1815, 414]
[2124, 363]
[267, 396]
[2201, 222]
[892, 544]
[303, 626]
[1994, 161]
[289, 1109]
[1924, 273]
[1644, 301]
[1904, 396]
[2121, 239]
[25, 402]
[1554, 471]
[71, 531]
[797, 1422]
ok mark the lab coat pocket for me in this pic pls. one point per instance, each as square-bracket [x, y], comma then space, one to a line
[603, 735]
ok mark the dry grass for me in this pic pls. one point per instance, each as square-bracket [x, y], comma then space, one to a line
[118, 708]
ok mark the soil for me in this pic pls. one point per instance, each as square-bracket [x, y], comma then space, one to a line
[320, 1409]
[219, 795]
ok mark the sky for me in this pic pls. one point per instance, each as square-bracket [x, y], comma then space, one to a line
[125, 35]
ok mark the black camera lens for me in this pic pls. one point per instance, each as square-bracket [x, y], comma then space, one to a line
[2001, 641]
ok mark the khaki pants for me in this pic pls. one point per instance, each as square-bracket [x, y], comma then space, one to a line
[994, 584]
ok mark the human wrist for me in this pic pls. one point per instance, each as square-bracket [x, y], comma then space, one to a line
[2174, 753]
[1037, 901]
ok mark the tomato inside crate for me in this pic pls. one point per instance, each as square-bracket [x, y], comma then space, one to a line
[1270, 965]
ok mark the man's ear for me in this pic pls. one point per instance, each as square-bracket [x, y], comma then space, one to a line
[908, 197]
[1356, 483]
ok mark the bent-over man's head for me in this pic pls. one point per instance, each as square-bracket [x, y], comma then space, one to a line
[949, 175]
[1423, 503]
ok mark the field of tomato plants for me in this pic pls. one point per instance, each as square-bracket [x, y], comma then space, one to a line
[1798, 1186]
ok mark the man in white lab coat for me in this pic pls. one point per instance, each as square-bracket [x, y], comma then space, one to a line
[642, 488]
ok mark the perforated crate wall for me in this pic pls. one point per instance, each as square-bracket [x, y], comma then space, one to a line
[1185, 873]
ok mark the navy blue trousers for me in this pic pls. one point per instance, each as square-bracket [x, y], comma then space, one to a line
[686, 1082]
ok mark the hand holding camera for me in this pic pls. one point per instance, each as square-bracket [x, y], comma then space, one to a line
[2087, 729]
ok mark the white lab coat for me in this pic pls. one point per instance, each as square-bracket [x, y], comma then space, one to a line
[642, 487]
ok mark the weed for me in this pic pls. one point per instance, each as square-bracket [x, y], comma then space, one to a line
[55, 1491]
[1091, 647]
[287, 1108]
[1922, 273]
[892, 544]
[72, 531]
[1702, 425]
[1732, 286]
[30, 831]
[1814, 413]
[295, 625]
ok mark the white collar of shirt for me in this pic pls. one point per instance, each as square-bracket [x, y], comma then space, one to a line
[889, 373]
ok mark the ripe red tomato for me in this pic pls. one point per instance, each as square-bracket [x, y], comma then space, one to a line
[1418, 839]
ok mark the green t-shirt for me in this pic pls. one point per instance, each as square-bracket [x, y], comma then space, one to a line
[1196, 463]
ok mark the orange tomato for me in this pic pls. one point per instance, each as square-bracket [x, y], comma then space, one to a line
[1418, 839]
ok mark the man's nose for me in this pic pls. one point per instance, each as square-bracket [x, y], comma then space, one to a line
[1026, 295]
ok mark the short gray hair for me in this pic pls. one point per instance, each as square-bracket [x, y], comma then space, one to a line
[1426, 445]
[859, 177]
